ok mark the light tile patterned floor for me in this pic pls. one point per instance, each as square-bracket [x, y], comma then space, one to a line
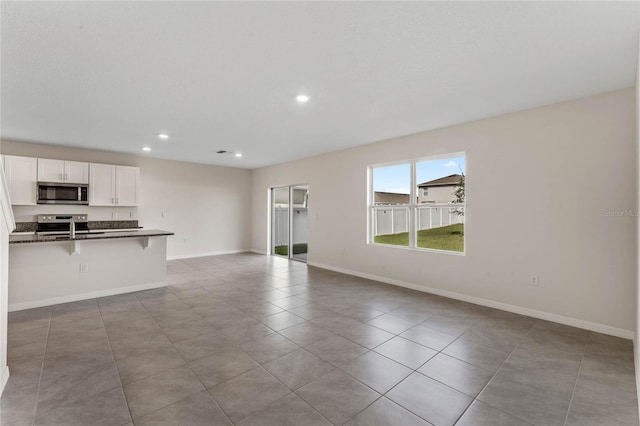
[255, 340]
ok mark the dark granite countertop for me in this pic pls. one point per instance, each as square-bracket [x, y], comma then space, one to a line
[95, 235]
[93, 224]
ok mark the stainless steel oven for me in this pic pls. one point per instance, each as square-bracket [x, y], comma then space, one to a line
[63, 193]
[61, 224]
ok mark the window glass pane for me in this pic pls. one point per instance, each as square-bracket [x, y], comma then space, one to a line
[392, 184]
[390, 211]
[280, 221]
[440, 203]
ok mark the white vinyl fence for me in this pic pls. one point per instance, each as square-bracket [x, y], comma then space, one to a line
[395, 219]
[281, 225]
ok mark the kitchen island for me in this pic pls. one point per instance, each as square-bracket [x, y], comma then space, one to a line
[51, 269]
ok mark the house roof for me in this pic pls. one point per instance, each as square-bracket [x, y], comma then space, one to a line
[451, 180]
[390, 198]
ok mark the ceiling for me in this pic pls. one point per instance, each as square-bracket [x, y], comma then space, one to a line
[224, 75]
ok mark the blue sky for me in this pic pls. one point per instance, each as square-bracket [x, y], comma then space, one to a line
[397, 178]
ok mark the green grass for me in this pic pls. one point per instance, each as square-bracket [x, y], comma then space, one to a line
[284, 250]
[449, 237]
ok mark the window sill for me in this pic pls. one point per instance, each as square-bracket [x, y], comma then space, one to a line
[420, 249]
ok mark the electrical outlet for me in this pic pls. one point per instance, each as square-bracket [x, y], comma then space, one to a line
[534, 280]
[114, 215]
[84, 268]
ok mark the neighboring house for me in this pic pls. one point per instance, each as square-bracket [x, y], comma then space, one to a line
[389, 198]
[439, 190]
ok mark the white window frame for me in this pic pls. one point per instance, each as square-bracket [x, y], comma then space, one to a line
[412, 206]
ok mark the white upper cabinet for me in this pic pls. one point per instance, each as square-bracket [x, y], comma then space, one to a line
[50, 170]
[62, 171]
[111, 185]
[102, 184]
[76, 171]
[22, 175]
[127, 185]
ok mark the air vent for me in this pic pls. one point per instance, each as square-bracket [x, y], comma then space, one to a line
[222, 151]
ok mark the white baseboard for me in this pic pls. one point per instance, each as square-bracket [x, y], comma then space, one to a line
[636, 359]
[83, 296]
[213, 253]
[574, 322]
[4, 378]
[258, 251]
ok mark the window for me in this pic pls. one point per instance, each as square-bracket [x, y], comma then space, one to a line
[391, 199]
[405, 212]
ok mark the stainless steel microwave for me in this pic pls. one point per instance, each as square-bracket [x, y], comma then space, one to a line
[62, 193]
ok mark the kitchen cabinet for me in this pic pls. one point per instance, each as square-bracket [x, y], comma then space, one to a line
[127, 185]
[62, 171]
[111, 185]
[21, 174]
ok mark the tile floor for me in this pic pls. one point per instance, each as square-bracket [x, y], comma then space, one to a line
[256, 340]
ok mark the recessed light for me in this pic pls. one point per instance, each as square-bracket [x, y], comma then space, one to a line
[302, 98]
[163, 136]
[146, 148]
[237, 154]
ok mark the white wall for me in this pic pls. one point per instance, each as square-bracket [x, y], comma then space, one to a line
[208, 207]
[556, 169]
[4, 302]
[7, 225]
[637, 335]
